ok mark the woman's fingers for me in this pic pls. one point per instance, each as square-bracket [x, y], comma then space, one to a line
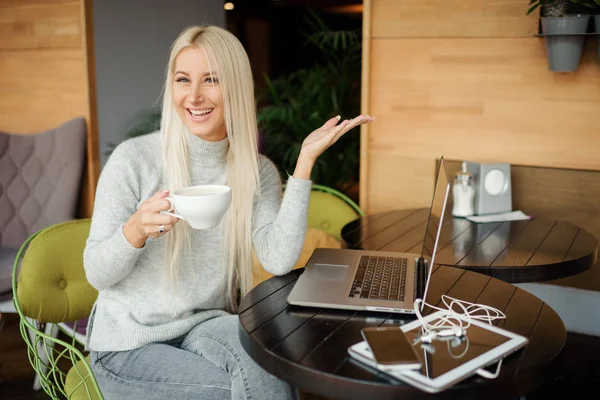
[156, 206]
[156, 231]
[331, 123]
[346, 125]
[361, 119]
[158, 219]
[161, 194]
[153, 223]
[156, 225]
[337, 129]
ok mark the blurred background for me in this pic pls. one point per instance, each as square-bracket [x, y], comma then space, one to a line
[470, 80]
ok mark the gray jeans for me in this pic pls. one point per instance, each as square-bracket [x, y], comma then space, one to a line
[207, 363]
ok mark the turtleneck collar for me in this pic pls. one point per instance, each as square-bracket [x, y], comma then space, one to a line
[208, 153]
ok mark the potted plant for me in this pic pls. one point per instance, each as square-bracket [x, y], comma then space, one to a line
[563, 34]
[595, 6]
[144, 122]
[293, 105]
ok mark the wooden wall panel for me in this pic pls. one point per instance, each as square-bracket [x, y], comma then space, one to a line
[47, 74]
[458, 18]
[455, 98]
[398, 182]
[26, 3]
[43, 26]
[93, 153]
[467, 99]
[365, 98]
[41, 89]
[479, 98]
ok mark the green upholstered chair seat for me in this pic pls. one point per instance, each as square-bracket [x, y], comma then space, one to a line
[50, 287]
[74, 383]
[52, 283]
[329, 210]
[329, 213]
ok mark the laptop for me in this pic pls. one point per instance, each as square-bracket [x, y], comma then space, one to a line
[374, 280]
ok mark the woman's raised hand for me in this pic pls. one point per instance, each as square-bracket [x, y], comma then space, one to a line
[321, 139]
[148, 222]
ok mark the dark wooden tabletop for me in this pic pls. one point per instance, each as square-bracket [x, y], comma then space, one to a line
[533, 250]
[308, 346]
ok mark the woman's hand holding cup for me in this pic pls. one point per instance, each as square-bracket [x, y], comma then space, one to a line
[148, 221]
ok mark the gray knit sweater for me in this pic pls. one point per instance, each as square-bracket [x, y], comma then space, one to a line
[136, 304]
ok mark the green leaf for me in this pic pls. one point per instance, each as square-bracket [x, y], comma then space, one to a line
[531, 9]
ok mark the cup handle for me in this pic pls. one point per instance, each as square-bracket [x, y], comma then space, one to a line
[172, 214]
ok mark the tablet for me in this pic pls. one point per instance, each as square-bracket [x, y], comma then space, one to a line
[446, 362]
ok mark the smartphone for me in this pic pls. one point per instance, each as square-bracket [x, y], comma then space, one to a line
[390, 346]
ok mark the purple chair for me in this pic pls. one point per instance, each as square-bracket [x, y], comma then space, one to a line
[40, 182]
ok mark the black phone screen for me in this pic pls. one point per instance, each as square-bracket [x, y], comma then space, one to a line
[390, 345]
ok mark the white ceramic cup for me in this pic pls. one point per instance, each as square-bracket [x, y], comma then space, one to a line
[201, 206]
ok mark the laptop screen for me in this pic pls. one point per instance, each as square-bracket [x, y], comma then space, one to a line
[434, 223]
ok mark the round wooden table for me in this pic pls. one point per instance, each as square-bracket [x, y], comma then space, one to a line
[307, 347]
[534, 250]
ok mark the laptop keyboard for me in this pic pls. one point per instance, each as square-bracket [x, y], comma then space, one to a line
[382, 278]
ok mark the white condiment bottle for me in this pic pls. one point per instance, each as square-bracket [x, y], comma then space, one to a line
[463, 193]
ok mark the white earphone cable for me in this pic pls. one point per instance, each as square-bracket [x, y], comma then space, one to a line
[456, 318]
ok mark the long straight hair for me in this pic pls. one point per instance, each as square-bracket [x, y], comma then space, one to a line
[227, 56]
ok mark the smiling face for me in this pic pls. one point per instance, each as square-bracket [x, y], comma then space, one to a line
[197, 95]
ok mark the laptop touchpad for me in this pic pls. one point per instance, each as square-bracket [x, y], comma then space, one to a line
[328, 272]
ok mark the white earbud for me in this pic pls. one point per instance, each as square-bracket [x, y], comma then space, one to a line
[455, 332]
[450, 333]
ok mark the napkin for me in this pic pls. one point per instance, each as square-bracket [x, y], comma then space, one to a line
[500, 217]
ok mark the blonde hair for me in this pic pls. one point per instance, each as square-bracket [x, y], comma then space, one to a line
[227, 56]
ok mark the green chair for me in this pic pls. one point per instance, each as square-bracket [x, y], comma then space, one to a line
[329, 210]
[50, 288]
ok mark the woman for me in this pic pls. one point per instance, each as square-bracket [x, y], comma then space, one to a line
[164, 324]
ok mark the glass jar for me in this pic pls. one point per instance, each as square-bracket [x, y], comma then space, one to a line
[463, 193]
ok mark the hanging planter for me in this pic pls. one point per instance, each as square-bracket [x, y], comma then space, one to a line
[597, 25]
[594, 6]
[564, 35]
[565, 39]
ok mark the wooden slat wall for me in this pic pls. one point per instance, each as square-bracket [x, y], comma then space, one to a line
[468, 81]
[40, 26]
[46, 72]
[443, 18]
